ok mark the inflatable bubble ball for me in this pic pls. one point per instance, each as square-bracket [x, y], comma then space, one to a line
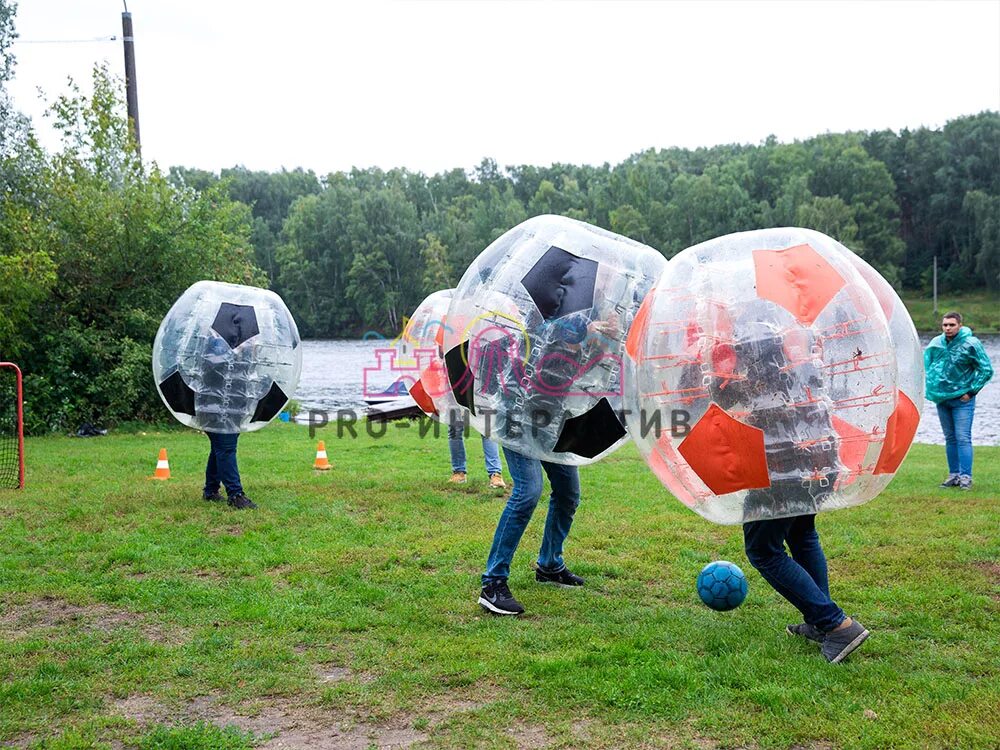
[765, 380]
[227, 357]
[419, 353]
[722, 585]
[536, 332]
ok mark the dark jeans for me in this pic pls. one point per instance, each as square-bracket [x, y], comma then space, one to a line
[801, 578]
[221, 465]
[527, 476]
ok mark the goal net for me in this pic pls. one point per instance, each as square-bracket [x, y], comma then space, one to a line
[11, 428]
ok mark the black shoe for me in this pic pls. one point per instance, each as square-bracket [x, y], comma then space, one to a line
[212, 497]
[839, 643]
[241, 502]
[951, 481]
[496, 598]
[806, 631]
[563, 578]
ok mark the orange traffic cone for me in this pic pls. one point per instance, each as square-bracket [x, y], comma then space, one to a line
[321, 463]
[162, 466]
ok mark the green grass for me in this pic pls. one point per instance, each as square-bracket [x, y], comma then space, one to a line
[119, 591]
[980, 311]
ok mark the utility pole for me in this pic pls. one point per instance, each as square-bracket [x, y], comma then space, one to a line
[935, 286]
[131, 90]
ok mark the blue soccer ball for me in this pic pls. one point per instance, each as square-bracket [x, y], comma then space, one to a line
[722, 585]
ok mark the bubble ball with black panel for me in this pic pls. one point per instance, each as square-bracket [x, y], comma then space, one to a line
[772, 374]
[227, 357]
[536, 334]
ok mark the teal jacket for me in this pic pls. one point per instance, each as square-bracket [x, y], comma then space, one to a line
[954, 368]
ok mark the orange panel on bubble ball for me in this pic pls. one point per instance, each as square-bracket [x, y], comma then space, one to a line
[725, 453]
[637, 333]
[797, 278]
[418, 394]
[853, 444]
[899, 432]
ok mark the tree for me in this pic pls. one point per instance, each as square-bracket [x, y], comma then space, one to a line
[983, 210]
[120, 243]
[437, 272]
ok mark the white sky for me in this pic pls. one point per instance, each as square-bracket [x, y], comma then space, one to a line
[432, 85]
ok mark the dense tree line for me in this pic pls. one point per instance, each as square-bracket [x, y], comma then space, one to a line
[94, 248]
[356, 251]
[95, 245]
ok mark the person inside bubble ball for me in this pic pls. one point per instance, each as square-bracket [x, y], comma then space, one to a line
[765, 372]
[222, 369]
[957, 368]
[578, 337]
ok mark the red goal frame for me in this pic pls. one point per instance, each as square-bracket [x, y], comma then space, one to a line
[20, 422]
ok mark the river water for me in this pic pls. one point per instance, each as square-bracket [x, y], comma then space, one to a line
[336, 373]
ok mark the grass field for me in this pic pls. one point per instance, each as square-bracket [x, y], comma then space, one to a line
[343, 614]
[980, 311]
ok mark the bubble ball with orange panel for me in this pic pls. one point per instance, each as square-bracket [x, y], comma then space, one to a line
[772, 373]
[421, 346]
[535, 337]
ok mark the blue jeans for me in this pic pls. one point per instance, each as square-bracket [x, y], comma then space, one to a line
[456, 444]
[527, 476]
[801, 578]
[956, 423]
[221, 465]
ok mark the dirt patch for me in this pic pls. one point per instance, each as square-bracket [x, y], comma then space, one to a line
[286, 725]
[226, 531]
[51, 612]
[328, 673]
[526, 737]
[992, 571]
[206, 574]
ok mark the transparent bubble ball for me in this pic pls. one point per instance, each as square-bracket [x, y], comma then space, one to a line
[227, 357]
[764, 379]
[535, 337]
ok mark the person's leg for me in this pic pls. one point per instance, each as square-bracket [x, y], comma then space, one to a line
[803, 543]
[225, 456]
[456, 444]
[764, 544]
[212, 482]
[491, 455]
[526, 474]
[948, 428]
[563, 502]
[961, 416]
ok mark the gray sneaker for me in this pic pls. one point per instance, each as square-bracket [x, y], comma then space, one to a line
[965, 482]
[951, 481]
[806, 631]
[839, 643]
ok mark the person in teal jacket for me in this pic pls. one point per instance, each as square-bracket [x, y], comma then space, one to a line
[956, 368]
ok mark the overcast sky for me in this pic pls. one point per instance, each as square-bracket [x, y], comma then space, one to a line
[436, 85]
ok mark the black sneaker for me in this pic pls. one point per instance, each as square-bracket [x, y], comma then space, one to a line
[563, 578]
[951, 481]
[241, 502]
[496, 598]
[212, 497]
[964, 482]
[806, 631]
[839, 643]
